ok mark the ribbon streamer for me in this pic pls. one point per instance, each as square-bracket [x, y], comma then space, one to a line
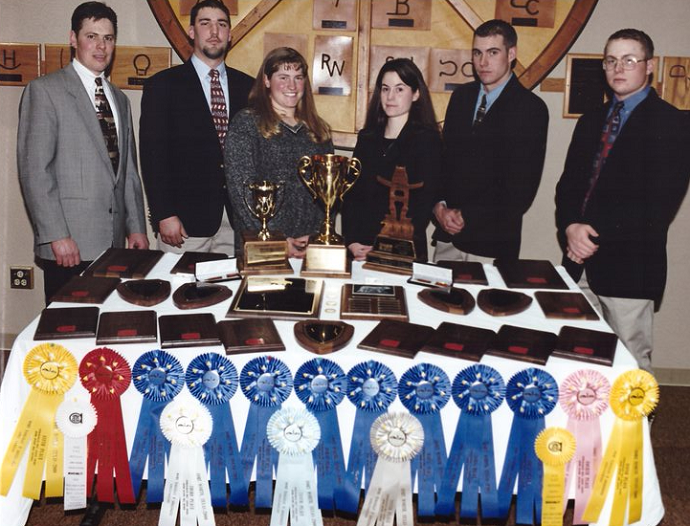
[584, 397]
[478, 391]
[158, 376]
[371, 387]
[51, 370]
[212, 379]
[424, 390]
[106, 375]
[321, 385]
[396, 438]
[531, 394]
[187, 425]
[75, 419]
[266, 382]
[634, 395]
[294, 433]
[555, 447]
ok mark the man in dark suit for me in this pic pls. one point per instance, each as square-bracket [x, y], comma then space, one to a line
[625, 177]
[495, 142]
[76, 156]
[184, 116]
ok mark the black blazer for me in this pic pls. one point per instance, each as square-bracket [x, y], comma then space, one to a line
[181, 158]
[493, 170]
[637, 195]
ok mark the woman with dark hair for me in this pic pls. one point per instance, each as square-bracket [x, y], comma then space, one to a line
[400, 130]
[265, 142]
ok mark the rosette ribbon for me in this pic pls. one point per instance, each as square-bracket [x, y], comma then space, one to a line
[396, 438]
[555, 447]
[321, 385]
[294, 433]
[531, 394]
[584, 396]
[371, 387]
[51, 371]
[75, 419]
[106, 375]
[187, 425]
[159, 377]
[634, 395]
[424, 390]
[212, 379]
[478, 391]
[266, 382]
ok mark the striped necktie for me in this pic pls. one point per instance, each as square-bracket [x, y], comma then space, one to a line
[481, 111]
[219, 109]
[107, 122]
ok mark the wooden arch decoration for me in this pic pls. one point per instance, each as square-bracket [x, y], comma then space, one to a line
[539, 49]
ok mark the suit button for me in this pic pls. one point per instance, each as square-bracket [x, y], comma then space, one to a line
[225, 187]
[222, 165]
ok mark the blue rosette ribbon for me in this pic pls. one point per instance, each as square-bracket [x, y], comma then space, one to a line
[266, 382]
[424, 390]
[212, 379]
[321, 385]
[371, 387]
[159, 377]
[531, 394]
[478, 391]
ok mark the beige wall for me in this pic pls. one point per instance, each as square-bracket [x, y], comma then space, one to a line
[48, 21]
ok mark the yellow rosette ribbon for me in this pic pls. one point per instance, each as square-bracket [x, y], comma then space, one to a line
[633, 396]
[555, 447]
[51, 370]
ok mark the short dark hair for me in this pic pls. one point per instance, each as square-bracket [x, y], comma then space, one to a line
[498, 27]
[636, 35]
[213, 4]
[95, 10]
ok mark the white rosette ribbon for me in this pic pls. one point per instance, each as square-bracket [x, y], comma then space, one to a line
[396, 438]
[187, 425]
[75, 418]
[294, 433]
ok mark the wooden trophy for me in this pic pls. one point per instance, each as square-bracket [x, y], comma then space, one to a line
[394, 246]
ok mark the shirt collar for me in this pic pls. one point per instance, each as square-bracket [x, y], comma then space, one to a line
[492, 95]
[631, 102]
[203, 69]
[85, 74]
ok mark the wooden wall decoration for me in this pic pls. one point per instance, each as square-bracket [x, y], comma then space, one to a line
[19, 63]
[585, 84]
[440, 30]
[676, 82]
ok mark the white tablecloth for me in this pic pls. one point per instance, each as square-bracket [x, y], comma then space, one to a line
[14, 508]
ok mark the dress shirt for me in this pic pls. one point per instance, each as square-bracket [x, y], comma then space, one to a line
[88, 79]
[629, 105]
[491, 96]
[205, 78]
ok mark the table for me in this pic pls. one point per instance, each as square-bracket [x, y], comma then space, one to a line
[14, 509]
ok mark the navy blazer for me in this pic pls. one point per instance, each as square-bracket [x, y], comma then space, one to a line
[181, 157]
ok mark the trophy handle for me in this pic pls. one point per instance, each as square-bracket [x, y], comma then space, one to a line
[251, 210]
[303, 167]
[354, 168]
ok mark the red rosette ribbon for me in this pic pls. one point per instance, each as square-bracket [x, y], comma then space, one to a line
[106, 376]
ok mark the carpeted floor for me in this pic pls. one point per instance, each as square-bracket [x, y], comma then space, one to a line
[670, 440]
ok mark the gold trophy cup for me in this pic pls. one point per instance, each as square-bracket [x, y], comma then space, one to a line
[265, 252]
[328, 178]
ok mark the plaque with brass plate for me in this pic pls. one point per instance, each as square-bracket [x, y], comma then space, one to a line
[565, 305]
[144, 292]
[250, 335]
[127, 327]
[86, 289]
[323, 337]
[471, 272]
[526, 345]
[586, 345]
[277, 297]
[187, 262]
[328, 178]
[70, 322]
[124, 263]
[459, 341]
[454, 300]
[197, 295]
[530, 274]
[397, 337]
[501, 302]
[357, 304]
[188, 330]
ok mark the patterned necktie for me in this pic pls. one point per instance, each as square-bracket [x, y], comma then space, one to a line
[608, 136]
[107, 122]
[218, 108]
[481, 111]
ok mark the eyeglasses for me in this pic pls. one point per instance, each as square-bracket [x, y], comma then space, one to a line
[628, 62]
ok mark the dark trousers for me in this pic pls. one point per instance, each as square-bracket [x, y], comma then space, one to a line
[55, 276]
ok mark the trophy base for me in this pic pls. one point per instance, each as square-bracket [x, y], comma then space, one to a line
[265, 257]
[391, 255]
[327, 261]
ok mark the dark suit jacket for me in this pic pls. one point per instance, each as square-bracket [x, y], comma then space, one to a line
[636, 197]
[181, 157]
[493, 170]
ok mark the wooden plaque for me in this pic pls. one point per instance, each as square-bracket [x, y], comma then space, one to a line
[526, 345]
[144, 292]
[250, 335]
[188, 330]
[333, 65]
[340, 15]
[401, 14]
[586, 345]
[86, 289]
[295, 41]
[470, 272]
[357, 304]
[322, 336]
[19, 63]
[197, 295]
[459, 341]
[382, 54]
[127, 327]
[565, 305]
[397, 337]
[530, 274]
[62, 323]
[676, 82]
[187, 262]
[124, 263]
[448, 68]
[277, 297]
[527, 13]
[453, 300]
[55, 57]
[501, 302]
[133, 65]
[585, 84]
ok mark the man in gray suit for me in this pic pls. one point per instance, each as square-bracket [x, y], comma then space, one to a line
[77, 157]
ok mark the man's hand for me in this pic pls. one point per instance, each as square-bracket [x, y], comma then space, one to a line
[138, 241]
[449, 219]
[580, 244]
[359, 251]
[297, 246]
[172, 232]
[66, 252]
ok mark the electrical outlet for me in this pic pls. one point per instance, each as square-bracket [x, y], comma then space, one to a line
[22, 278]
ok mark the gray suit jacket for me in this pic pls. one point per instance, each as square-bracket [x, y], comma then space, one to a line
[68, 183]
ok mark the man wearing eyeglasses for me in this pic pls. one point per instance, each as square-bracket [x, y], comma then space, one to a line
[625, 176]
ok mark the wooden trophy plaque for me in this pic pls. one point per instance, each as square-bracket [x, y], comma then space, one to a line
[525, 345]
[565, 305]
[501, 302]
[453, 300]
[197, 295]
[144, 292]
[124, 263]
[586, 345]
[250, 335]
[460, 341]
[323, 337]
[187, 262]
[398, 338]
[86, 289]
[373, 302]
[127, 327]
[71, 322]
